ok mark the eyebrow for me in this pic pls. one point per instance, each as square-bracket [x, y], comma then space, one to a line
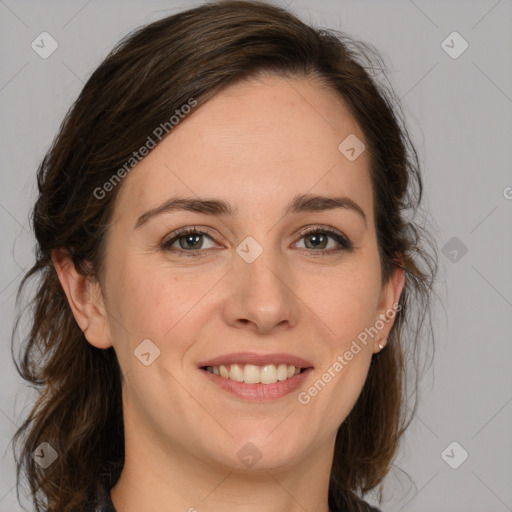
[209, 206]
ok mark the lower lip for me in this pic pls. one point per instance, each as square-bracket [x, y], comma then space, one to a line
[259, 392]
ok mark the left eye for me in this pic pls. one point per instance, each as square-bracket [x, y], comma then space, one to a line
[318, 237]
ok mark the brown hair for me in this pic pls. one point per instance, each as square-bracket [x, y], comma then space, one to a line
[141, 83]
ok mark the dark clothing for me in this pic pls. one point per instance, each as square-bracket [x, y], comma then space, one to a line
[336, 502]
[103, 502]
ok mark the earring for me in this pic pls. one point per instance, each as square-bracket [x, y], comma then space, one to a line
[380, 344]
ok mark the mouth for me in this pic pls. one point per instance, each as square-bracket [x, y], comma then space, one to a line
[253, 374]
[257, 377]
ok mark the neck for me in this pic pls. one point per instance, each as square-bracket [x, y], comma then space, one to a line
[160, 476]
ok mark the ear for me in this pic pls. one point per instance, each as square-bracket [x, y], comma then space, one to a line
[388, 305]
[85, 299]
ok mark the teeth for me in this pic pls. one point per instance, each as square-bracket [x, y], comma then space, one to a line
[252, 374]
[268, 374]
[236, 373]
[282, 372]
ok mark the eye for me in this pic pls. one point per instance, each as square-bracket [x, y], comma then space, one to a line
[188, 240]
[317, 238]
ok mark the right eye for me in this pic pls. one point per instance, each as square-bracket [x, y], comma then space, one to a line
[189, 240]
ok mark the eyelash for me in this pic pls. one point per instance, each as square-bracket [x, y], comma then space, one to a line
[344, 242]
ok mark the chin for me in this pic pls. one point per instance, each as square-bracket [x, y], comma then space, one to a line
[251, 453]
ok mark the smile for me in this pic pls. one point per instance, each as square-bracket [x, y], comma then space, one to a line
[256, 377]
[253, 374]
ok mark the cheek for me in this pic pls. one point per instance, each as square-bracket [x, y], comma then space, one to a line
[145, 297]
[154, 302]
[345, 300]
[347, 353]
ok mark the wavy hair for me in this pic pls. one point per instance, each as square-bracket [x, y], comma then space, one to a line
[150, 74]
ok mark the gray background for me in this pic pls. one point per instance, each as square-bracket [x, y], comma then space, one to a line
[459, 113]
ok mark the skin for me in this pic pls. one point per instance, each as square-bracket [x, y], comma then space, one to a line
[256, 144]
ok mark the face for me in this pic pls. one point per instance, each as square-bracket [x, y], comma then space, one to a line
[247, 294]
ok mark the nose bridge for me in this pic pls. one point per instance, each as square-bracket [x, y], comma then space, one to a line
[260, 286]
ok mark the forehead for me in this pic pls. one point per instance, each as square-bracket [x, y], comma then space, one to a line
[263, 140]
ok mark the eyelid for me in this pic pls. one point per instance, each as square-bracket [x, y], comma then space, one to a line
[185, 231]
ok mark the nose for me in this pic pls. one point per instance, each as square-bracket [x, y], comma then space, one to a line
[261, 295]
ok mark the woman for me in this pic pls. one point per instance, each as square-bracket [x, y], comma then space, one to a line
[227, 267]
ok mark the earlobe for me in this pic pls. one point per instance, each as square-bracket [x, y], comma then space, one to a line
[84, 298]
[388, 309]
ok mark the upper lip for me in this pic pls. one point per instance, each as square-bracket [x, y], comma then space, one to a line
[257, 359]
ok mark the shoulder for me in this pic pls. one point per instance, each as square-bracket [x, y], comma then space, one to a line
[365, 507]
[362, 506]
[370, 508]
[101, 501]
[338, 501]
